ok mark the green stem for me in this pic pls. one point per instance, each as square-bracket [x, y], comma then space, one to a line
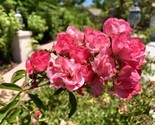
[36, 87]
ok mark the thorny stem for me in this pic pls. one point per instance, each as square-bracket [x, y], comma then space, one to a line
[36, 87]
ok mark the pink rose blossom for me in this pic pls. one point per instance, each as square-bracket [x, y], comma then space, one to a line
[130, 51]
[29, 68]
[77, 34]
[127, 83]
[136, 53]
[104, 64]
[64, 43]
[96, 40]
[39, 61]
[80, 54]
[114, 26]
[90, 59]
[65, 73]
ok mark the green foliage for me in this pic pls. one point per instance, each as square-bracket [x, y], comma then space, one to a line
[10, 86]
[38, 25]
[60, 19]
[8, 27]
[47, 18]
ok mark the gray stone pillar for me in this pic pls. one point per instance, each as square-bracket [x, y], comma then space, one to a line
[21, 46]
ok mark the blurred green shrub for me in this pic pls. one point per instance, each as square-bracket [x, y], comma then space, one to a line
[8, 27]
[58, 20]
[37, 24]
[46, 18]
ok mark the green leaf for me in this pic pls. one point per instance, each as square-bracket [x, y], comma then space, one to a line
[73, 104]
[37, 101]
[18, 75]
[26, 120]
[10, 86]
[58, 91]
[15, 112]
[6, 109]
[43, 123]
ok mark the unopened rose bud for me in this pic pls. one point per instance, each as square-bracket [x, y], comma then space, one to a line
[34, 84]
[37, 113]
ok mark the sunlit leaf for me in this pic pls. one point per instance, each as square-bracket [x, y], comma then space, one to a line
[10, 86]
[15, 112]
[18, 75]
[26, 78]
[73, 104]
[4, 110]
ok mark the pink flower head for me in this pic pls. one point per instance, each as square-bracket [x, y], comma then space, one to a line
[114, 26]
[136, 53]
[38, 62]
[64, 43]
[104, 64]
[96, 40]
[77, 34]
[80, 54]
[130, 51]
[65, 73]
[96, 87]
[127, 83]
[37, 113]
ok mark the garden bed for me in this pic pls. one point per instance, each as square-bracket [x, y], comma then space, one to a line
[7, 67]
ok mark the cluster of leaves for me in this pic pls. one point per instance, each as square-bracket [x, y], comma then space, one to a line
[63, 17]
[20, 109]
[38, 25]
[55, 16]
[8, 27]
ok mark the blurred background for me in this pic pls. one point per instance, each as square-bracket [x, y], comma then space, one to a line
[45, 18]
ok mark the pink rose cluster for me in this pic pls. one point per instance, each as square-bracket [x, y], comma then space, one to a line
[91, 58]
